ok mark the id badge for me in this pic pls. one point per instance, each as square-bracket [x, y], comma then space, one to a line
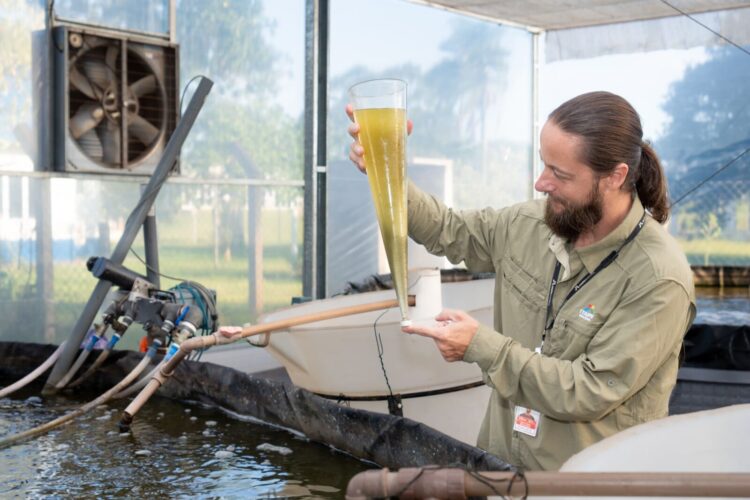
[526, 420]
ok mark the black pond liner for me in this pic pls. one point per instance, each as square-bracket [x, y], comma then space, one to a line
[715, 369]
[386, 440]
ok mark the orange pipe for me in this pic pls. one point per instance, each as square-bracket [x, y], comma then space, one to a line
[438, 482]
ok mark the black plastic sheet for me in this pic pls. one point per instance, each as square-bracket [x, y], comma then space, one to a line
[386, 440]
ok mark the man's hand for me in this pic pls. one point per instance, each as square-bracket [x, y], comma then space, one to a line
[452, 333]
[356, 151]
[229, 331]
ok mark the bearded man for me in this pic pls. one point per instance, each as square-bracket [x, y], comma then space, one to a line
[592, 295]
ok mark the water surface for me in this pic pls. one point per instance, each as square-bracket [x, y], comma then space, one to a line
[174, 450]
[723, 306]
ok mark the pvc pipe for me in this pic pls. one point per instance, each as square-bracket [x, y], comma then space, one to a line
[162, 375]
[129, 378]
[140, 384]
[447, 483]
[34, 374]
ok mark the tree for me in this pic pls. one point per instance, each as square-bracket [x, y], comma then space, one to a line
[710, 125]
[17, 21]
[464, 86]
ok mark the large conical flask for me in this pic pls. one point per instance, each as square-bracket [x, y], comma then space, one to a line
[380, 111]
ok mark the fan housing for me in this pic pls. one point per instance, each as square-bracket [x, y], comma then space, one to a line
[115, 99]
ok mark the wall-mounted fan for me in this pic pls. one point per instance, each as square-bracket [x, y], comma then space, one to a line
[116, 101]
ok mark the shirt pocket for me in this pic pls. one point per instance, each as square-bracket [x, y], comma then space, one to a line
[521, 286]
[570, 337]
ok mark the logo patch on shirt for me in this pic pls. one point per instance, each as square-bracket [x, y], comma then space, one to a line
[587, 313]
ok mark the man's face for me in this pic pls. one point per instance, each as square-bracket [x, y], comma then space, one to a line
[574, 203]
[571, 219]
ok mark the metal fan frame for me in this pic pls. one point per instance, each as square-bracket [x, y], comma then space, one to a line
[69, 157]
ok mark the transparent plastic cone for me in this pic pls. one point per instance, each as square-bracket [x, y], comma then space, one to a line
[380, 111]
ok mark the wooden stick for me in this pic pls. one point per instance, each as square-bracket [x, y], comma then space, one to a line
[285, 324]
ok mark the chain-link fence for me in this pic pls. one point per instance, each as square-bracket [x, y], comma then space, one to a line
[713, 223]
[244, 242]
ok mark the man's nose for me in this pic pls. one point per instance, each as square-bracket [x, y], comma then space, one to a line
[543, 184]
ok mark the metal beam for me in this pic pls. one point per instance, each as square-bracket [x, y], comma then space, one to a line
[151, 245]
[536, 64]
[315, 154]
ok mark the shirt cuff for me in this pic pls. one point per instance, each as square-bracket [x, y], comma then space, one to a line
[485, 347]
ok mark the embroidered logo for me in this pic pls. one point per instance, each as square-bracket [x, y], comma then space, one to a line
[587, 313]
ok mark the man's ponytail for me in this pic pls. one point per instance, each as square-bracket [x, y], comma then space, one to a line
[651, 184]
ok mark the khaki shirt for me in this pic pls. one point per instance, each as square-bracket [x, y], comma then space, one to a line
[611, 359]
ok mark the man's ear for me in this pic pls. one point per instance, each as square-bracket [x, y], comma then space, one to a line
[615, 180]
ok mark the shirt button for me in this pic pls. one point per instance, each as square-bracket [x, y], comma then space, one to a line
[610, 383]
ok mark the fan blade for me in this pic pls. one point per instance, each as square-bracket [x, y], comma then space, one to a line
[142, 129]
[91, 145]
[81, 83]
[98, 73]
[87, 117]
[144, 86]
[110, 59]
[110, 136]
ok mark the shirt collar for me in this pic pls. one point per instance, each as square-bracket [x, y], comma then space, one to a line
[592, 255]
[570, 261]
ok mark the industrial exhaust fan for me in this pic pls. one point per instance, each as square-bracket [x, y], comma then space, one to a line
[115, 99]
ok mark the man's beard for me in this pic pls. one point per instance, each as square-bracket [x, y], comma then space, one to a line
[574, 220]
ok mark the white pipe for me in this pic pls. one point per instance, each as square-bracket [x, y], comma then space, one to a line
[33, 375]
[140, 384]
[81, 358]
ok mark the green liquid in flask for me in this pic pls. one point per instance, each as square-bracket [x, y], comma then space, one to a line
[383, 135]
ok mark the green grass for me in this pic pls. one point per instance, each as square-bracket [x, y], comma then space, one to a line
[717, 252]
[186, 251]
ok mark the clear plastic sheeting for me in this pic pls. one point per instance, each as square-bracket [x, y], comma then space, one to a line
[552, 14]
[386, 440]
[140, 15]
[644, 36]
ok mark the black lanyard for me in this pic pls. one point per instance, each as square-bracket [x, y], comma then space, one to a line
[550, 321]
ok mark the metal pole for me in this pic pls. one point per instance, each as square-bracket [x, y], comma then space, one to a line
[45, 269]
[132, 226]
[316, 95]
[151, 244]
[322, 139]
[172, 21]
[536, 54]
